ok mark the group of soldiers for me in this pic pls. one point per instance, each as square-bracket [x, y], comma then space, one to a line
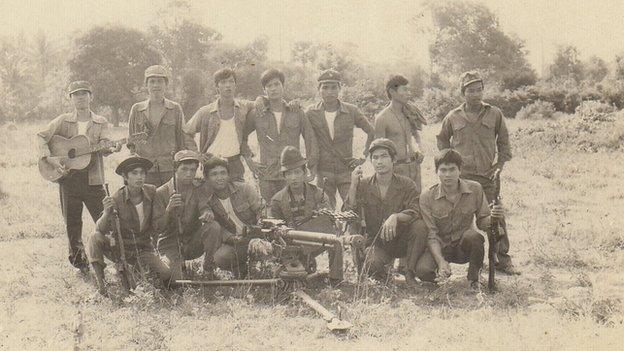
[181, 200]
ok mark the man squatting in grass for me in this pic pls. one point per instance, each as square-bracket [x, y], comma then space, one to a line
[333, 122]
[478, 132]
[162, 120]
[277, 124]
[134, 203]
[295, 204]
[389, 202]
[234, 205]
[78, 186]
[448, 209]
[186, 203]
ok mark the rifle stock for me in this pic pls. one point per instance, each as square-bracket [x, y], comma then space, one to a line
[180, 227]
[122, 267]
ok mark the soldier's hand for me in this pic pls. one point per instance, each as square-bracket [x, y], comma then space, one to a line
[57, 163]
[388, 228]
[444, 272]
[175, 201]
[497, 211]
[108, 204]
[207, 216]
[356, 174]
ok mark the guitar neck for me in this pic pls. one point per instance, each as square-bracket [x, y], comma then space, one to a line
[107, 144]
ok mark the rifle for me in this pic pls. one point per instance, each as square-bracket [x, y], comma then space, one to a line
[122, 267]
[494, 235]
[180, 227]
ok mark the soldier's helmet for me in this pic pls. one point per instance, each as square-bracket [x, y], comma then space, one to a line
[468, 78]
[291, 158]
[156, 71]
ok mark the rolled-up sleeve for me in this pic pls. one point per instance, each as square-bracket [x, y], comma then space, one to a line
[44, 136]
[483, 215]
[427, 216]
[444, 137]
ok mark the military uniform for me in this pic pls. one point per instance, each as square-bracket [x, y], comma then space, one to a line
[272, 141]
[484, 146]
[79, 186]
[298, 212]
[177, 247]
[450, 223]
[165, 133]
[336, 146]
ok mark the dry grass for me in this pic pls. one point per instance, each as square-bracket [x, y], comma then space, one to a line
[564, 219]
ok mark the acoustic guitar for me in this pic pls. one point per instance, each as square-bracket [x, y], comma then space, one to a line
[75, 153]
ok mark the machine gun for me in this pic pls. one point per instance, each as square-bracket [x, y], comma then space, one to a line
[178, 218]
[287, 246]
[494, 235]
[123, 269]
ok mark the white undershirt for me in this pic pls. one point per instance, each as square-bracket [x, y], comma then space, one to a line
[330, 117]
[278, 120]
[139, 209]
[82, 128]
[226, 143]
[227, 205]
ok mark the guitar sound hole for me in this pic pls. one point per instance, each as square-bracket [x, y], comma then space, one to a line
[71, 153]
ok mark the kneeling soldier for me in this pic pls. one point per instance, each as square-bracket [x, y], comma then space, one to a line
[234, 205]
[448, 209]
[389, 204]
[134, 206]
[180, 209]
[296, 204]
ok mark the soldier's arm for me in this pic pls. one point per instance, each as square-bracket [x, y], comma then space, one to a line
[311, 143]
[380, 127]
[44, 136]
[188, 139]
[433, 237]
[502, 142]
[411, 206]
[276, 209]
[132, 129]
[193, 125]
[483, 214]
[255, 201]
[444, 137]
[160, 217]
[363, 123]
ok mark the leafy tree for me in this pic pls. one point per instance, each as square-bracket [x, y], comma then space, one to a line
[467, 36]
[567, 65]
[596, 69]
[16, 79]
[113, 60]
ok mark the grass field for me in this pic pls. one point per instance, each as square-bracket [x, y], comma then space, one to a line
[565, 219]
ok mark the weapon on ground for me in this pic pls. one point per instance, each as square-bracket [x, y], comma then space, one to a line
[288, 247]
[494, 236]
[123, 269]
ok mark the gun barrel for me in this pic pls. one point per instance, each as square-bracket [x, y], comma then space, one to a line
[238, 282]
[330, 239]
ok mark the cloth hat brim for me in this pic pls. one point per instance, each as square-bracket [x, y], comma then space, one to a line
[329, 81]
[80, 89]
[290, 166]
[472, 81]
[132, 163]
[381, 146]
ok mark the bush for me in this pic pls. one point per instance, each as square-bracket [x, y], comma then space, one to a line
[512, 101]
[595, 110]
[537, 110]
[436, 103]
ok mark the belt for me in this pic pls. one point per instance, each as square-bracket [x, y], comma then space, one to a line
[407, 160]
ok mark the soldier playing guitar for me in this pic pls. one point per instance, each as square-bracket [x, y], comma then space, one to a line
[78, 186]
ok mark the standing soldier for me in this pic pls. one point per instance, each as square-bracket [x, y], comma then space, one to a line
[83, 186]
[477, 131]
[162, 120]
[134, 206]
[222, 125]
[398, 123]
[180, 209]
[277, 124]
[296, 204]
[333, 121]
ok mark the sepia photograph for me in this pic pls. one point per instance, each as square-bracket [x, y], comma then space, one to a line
[311, 175]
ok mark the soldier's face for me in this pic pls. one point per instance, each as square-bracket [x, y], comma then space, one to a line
[448, 173]
[295, 177]
[136, 177]
[227, 87]
[81, 99]
[474, 92]
[218, 178]
[186, 172]
[274, 89]
[382, 161]
[329, 91]
[156, 86]
[401, 94]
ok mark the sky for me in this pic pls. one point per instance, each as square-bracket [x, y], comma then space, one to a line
[383, 31]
